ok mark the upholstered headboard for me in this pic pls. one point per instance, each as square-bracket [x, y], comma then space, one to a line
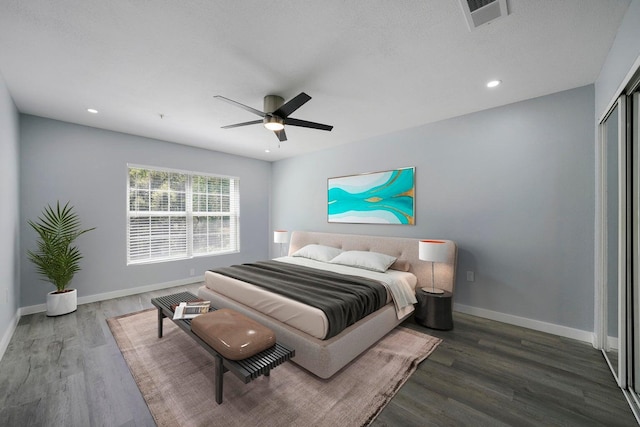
[399, 247]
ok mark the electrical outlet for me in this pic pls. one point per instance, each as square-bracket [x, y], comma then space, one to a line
[471, 277]
[192, 272]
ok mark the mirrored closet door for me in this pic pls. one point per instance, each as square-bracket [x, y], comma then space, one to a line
[612, 157]
[634, 294]
[618, 277]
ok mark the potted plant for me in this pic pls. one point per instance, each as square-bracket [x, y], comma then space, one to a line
[56, 258]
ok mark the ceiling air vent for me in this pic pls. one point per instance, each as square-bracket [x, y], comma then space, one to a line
[481, 12]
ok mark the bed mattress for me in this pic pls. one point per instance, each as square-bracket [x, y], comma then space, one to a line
[307, 319]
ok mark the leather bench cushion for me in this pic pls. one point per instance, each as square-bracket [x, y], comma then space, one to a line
[232, 334]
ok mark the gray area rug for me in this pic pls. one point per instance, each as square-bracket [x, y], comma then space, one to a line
[176, 379]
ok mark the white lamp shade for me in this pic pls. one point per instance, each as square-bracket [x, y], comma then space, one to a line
[280, 236]
[433, 250]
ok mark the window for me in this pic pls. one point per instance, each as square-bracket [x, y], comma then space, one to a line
[176, 215]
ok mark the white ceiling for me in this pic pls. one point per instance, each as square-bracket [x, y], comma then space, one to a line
[372, 67]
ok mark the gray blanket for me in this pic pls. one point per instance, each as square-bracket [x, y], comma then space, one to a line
[344, 299]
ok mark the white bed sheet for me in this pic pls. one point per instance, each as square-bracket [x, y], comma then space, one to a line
[309, 319]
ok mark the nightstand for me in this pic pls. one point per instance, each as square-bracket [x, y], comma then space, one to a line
[434, 310]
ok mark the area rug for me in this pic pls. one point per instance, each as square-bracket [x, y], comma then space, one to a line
[176, 378]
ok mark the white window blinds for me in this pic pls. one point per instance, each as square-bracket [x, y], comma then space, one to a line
[177, 214]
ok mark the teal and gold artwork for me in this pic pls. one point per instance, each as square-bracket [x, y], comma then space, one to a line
[373, 198]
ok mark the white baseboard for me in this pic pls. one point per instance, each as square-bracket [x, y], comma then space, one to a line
[6, 338]
[563, 331]
[39, 308]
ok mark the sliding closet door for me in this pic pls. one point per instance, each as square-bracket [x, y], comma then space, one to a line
[634, 321]
[613, 159]
[618, 271]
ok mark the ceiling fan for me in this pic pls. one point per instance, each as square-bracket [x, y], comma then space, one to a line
[276, 114]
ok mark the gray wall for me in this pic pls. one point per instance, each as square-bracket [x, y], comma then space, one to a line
[513, 186]
[88, 166]
[9, 218]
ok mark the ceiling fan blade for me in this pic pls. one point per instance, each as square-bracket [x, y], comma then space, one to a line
[237, 104]
[306, 124]
[237, 125]
[292, 105]
[282, 136]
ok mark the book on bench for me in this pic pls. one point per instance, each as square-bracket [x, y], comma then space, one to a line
[189, 310]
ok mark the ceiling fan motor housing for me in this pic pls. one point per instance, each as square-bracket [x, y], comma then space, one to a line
[272, 103]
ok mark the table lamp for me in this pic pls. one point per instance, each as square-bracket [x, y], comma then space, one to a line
[281, 236]
[433, 251]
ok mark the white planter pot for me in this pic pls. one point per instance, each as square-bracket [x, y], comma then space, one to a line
[59, 304]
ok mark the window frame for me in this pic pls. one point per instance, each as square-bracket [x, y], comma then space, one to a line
[188, 214]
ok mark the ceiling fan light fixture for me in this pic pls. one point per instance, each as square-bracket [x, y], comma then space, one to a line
[273, 123]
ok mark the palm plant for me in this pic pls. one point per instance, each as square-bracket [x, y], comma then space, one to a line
[56, 259]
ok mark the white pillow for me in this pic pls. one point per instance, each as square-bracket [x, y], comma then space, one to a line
[364, 259]
[318, 252]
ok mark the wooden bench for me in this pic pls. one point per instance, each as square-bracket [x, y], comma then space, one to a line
[246, 369]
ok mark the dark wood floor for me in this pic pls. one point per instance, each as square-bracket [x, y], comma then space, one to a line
[68, 371]
[487, 373]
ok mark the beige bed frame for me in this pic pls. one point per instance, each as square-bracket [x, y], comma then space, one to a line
[326, 357]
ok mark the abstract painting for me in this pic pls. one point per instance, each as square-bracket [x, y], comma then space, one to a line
[373, 198]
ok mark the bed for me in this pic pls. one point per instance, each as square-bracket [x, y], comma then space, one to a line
[304, 328]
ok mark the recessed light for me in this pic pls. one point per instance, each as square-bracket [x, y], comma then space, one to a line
[267, 150]
[494, 83]
[92, 110]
